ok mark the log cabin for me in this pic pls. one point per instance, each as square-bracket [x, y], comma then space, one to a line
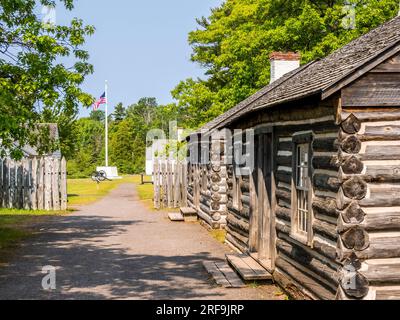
[321, 208]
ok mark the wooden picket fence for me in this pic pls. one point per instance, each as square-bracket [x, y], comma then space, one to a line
[170, 184]
[33, 184]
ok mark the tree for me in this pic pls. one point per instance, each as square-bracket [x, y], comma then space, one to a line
[89, 148]
[35, 86]
[233, 44]
[97, 115]
[119, 112]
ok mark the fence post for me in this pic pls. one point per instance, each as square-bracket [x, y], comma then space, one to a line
[176, 185]
[20, 185]
[156, 181]
[11, 199]
[63, 184]
[34, 183]
[55, 185]
[6, 183]
[40, 190]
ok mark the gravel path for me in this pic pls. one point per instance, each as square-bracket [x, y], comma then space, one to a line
[118, 249]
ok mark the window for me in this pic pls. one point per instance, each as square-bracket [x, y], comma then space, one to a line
[302, 188]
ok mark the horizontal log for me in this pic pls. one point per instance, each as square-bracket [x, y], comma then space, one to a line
[325, 182]
[379, 248]
[245, 211]
[318, 128]
[382, 273]
[238, 223]
[326, 162]
[385, 294]
[325, 145]
[325, 229]
[381, 152]
[237, 235]
[309, 261]
[285, 146]
[245, 186]
[382, 196]
[236, 243]
[377, 133]
[283, 228]
[382, 221]
[326, 251]
[377, 115]
[325, 207]
[245, 199]
[284, 176]
[376, 173]
[284, 195]
[318, 289]
[285, 161]
[283, 213]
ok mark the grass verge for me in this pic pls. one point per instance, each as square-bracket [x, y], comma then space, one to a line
[16, 225]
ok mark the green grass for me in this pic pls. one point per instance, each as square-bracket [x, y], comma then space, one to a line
[219, 235]
[16, 225]
[146, 194]
[85, 191]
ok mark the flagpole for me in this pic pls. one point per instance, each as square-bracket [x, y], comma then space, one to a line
[106, 121]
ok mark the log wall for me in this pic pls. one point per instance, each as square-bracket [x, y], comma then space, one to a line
[313, 269]
[368, 202]
[209, 181]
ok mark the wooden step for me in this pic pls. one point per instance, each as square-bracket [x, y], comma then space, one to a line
[248, 268]
[188, 211]
[189, 214]
[176, 217]
[223, 274]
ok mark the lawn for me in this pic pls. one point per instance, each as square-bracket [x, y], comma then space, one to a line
[16, 225]
[85, 191]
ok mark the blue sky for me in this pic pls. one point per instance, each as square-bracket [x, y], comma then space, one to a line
[140, 46]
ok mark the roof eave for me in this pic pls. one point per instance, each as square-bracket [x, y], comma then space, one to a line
[360, 71]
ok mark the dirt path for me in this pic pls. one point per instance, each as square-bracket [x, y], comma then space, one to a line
[117, 249]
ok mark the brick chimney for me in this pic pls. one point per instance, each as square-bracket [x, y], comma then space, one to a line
[282, 63]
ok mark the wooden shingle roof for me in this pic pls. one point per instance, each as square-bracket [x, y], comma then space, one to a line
[321, 76]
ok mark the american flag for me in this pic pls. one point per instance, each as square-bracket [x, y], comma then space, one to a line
[99, 102]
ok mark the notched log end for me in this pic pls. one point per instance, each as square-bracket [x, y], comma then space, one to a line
[351, 125]
[356, 239]
[355, 188]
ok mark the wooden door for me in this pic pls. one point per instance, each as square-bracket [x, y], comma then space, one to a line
[260, 234]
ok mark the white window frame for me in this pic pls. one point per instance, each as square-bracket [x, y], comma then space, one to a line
[302, 190]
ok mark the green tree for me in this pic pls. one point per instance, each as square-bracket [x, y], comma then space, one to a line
[34, 85]
[233, 44]
[89, 148]
[97, 115]
[119, 112]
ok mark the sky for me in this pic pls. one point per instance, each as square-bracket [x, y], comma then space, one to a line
[140, 46]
